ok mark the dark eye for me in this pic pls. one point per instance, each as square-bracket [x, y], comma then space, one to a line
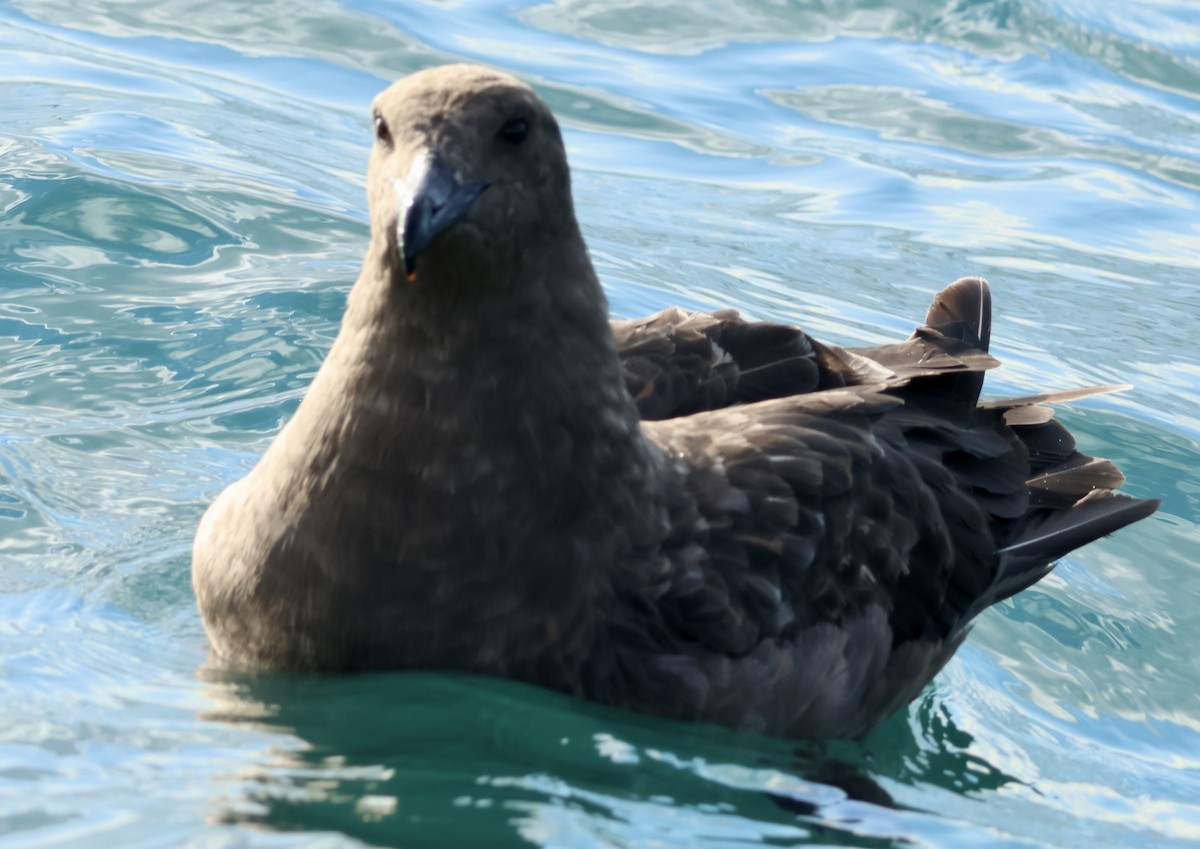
[381, 129]
[515, 131]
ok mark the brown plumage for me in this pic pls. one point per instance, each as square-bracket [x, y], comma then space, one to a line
[691, 514]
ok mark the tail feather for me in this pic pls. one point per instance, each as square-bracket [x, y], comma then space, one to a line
[1062, 500]
[1034, 414]
[1060, 487]
[1049, 444]
[1055, 397]
[1050, 535]
[1071, 498]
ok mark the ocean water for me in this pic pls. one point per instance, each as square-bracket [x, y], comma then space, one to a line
[182, 214]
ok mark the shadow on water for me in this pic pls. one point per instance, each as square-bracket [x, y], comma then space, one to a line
[443, 760]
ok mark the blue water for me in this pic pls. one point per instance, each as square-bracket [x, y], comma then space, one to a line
[182, 214]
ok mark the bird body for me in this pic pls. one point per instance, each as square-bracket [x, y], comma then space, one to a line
[691, 515]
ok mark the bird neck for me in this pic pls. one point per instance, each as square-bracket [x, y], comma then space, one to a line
[504, 386]
[484, 450]
[529, 339]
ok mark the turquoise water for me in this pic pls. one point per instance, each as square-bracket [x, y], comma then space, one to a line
[181, 187]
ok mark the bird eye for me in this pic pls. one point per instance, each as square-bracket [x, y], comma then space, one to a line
[515, 131]
[381, 129]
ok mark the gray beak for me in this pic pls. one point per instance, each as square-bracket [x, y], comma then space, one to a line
[432, 201]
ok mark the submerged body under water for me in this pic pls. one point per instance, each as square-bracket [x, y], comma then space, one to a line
[184, 213]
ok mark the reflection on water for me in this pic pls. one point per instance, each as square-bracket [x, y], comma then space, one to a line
[450, 760]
